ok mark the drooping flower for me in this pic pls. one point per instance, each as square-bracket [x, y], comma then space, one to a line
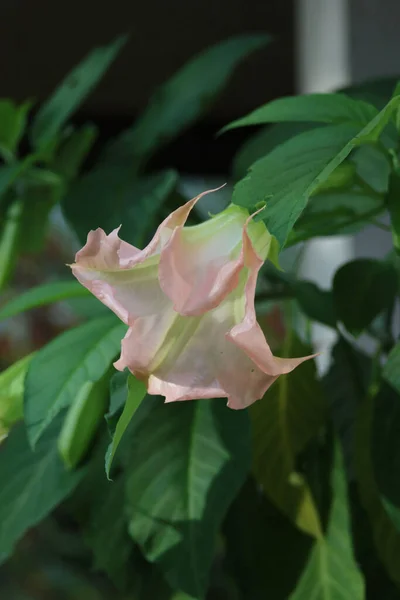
[188, 301]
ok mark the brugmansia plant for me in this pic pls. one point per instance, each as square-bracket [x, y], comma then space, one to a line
[178, 442]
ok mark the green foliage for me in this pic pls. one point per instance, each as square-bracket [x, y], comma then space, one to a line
[41, 296]
[283, 423]
[373, 289]
[322, 108]
[182, 99]
[187, 462]
[12, 126]
[60, 370]
[53, 114]
[12, 393]
[205, 502]
[332, 571]
[33, 483]
[136, 391]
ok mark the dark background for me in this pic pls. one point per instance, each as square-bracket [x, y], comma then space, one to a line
[41, 40]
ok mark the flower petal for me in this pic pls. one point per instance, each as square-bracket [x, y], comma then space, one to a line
[200, 265]
[248, 334]
[122, 277]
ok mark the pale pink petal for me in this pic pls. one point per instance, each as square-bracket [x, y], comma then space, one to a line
[247, 334]
[122, 277]
[200, 266]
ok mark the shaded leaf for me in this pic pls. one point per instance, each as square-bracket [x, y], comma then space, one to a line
[47, 293]
[259, 538]
[322, 108]
[12, 393]
[82, 421]
[136, 391]
[12, 125]
[362, 289]
[316, 303]
[283, 422]
[78, 84]
[263, 142]
[33, 483]
[60, 369]
[73, 151]
[336, 213]
[286, 177]
[332, 572]
[187, 462]
[182, 99]
[393, 205]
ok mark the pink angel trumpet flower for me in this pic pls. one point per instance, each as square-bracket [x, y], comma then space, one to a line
[188, 301]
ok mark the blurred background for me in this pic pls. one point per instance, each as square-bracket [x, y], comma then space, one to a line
[319, 46]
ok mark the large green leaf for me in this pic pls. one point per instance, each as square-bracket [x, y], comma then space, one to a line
[336, 213]
[391, 370]
[182, 99]
[32, 484]
[109, 196]
[136, 391]
[53, 114]
[264, 551]
[59, 370]
[73, 151]
[283, 422]
[12, 393]
[290, 174]
[12, 125]
[47, 293]
[187, 462]
[263, 142]
[322, 108]
[362, 289]
[332, 572]
[353, 413]
[82, 421]
[385, 447]
[316, 303]
[393, 204]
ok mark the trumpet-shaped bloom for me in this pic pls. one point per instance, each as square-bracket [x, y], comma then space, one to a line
[188, 301]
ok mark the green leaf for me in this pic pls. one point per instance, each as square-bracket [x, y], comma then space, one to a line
[82, 421]
[283, 422]
[263, 142]
[336, 213]
[385, 448]
[149, 195]
[332, 572]
[33, 483]
[12, 125]
[47, 293]
[391, 371]
[264, 552]
[9, 174]
[322, 108]
[98, 199]
[317, 304]
[286, 178]
[362, 289]
[187, 463]
[109, 196]
[10, 235]
[353, 413]
[73, 151]
[182, 99]
[12, 394]
[106, 531]
[78, 84]
[393, 205]
[60, 369]
[137, 390]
